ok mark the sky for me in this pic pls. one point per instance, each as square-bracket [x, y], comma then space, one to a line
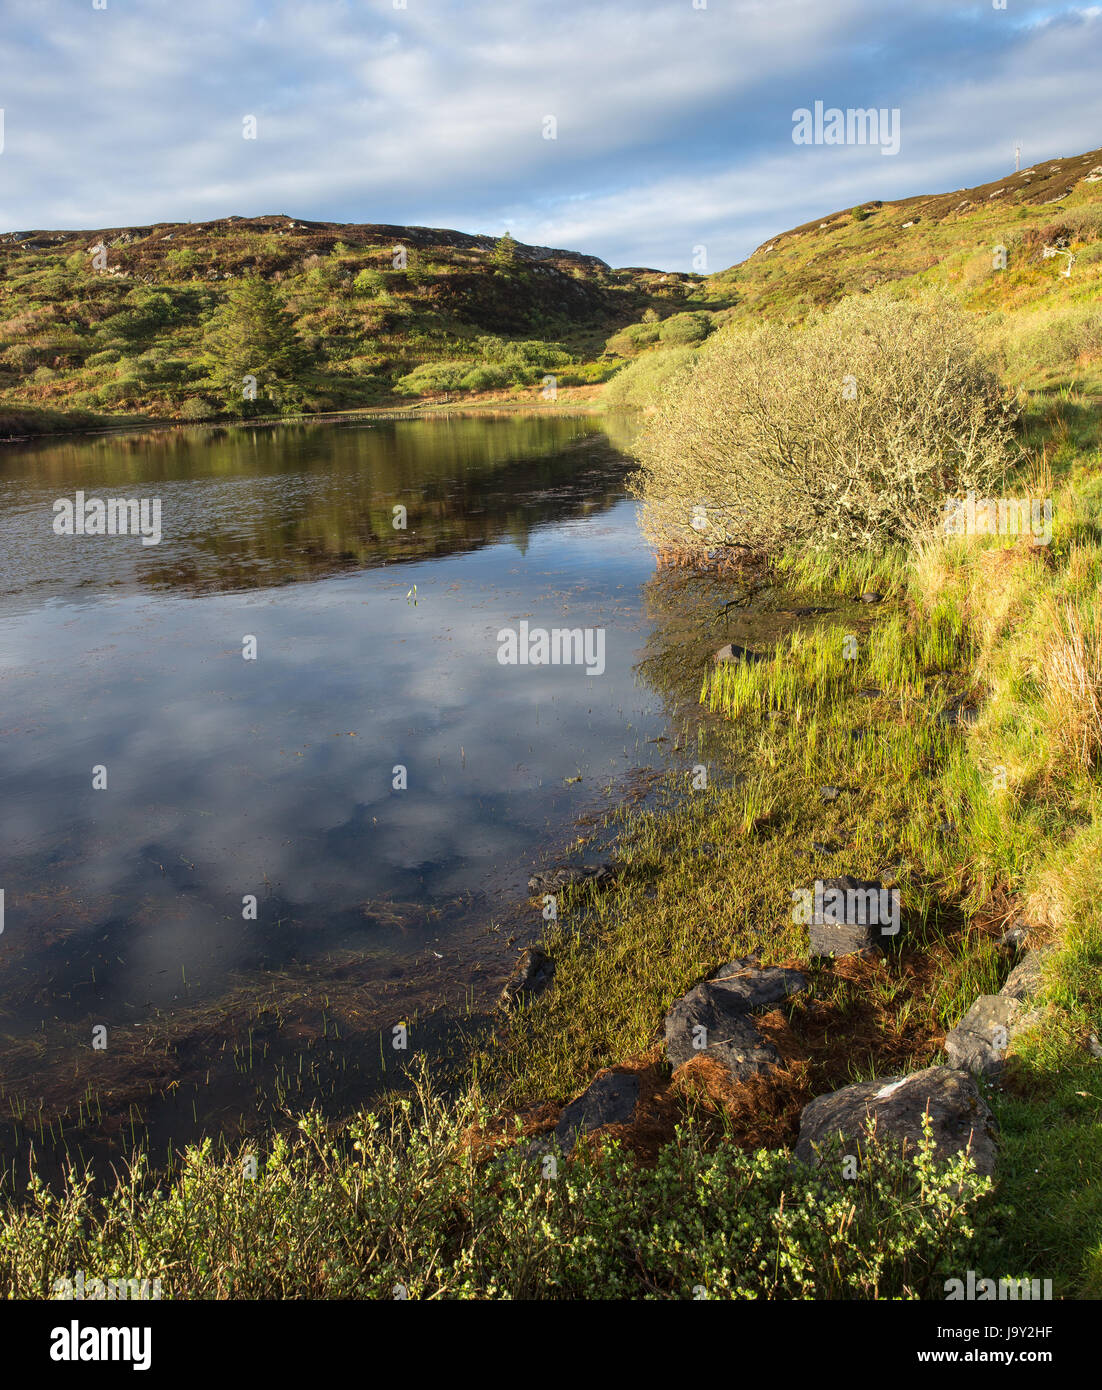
[670, 142]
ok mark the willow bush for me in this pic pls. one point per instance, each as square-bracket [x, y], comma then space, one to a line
[850, 432]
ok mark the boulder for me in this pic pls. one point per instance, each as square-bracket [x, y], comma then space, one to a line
[959, 1116]
[609, 1100]
[532, 974]
[754, 986]
[733, 652]
[711, 1021]
[957, 713]
[1014, 938]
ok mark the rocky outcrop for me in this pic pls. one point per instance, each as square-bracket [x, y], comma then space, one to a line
[959, 1117]
[980, 1041]
[709, 1022]
[731, 651]
[850, 915]
[1026, 978]
[754, 986]
[957, 713]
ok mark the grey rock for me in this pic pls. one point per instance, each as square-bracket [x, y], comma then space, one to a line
[728, 1034]
[731, 651]
[959, 1116]
[610, 1100]
[843, 939]
[847, 918]
[753, 986]
[956, 712]
[531, 976]
[1026, 977]
[535, 1152]
[980, 1040]
[568, 876]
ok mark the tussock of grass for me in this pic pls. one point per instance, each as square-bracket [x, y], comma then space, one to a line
[1072, 668]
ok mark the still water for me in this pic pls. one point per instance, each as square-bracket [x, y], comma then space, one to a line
[375, 778]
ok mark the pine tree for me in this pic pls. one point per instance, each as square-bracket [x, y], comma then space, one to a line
[505, 253]
[252, 336]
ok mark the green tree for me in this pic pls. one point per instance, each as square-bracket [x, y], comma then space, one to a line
[250, 345]
[505, 253]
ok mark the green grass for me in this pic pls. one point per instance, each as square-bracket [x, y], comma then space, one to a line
[969, 620]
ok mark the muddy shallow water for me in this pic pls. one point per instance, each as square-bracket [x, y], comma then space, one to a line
[376, 779]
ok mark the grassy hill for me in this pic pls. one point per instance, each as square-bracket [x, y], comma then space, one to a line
[113, 322]
[1045, 327]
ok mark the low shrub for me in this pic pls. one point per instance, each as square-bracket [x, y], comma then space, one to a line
[403, 1202]
[850, 432]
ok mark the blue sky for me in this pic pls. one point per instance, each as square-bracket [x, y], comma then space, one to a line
[674, 119]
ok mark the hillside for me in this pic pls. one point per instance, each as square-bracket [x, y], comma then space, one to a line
[112, 321]
[1044, 326]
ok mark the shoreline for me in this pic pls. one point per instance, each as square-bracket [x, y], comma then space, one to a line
[420, 411]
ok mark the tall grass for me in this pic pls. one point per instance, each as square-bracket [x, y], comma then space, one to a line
[1072, 674]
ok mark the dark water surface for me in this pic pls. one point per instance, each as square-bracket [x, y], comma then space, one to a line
[226, 777]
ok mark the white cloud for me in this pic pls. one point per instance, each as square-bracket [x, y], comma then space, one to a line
[673, 123]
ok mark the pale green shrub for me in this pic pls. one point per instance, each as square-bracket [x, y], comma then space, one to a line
[850, 432]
